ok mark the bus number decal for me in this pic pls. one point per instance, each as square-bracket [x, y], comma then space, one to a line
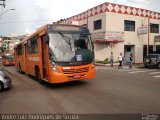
[66, 68]
[33, 58]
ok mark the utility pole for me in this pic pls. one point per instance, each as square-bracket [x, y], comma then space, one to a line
[148, 45]
[2, 3]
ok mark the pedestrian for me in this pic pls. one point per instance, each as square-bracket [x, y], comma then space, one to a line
[120, 59]
[111, 59]
[130, 60]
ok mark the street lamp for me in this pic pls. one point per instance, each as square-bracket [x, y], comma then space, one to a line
[6, 11]
[3, 4]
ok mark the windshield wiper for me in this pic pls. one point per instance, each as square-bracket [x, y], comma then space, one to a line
[68, 42]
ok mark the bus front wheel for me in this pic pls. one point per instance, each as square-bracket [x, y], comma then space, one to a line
[1, 87]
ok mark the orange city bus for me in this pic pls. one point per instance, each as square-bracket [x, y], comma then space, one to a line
[7, 59]
[57, 53]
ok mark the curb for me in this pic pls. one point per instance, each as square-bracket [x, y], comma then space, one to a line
[15, 75]
[116, 64]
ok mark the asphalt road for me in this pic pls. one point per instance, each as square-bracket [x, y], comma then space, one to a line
[112, 91]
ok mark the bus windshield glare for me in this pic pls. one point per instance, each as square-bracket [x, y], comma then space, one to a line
[9, 57]
[70, 47]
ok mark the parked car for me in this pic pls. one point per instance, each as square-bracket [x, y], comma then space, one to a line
[152, 60]
[5, 80]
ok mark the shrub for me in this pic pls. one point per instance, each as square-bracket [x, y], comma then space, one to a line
[106, 59]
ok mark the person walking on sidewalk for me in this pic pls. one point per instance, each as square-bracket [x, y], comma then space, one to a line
[120, 59]
[111, 59]
[130, 60]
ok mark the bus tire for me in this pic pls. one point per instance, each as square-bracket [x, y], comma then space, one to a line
[38, 75]
[1, 86]
[146, 66]
[159, 65]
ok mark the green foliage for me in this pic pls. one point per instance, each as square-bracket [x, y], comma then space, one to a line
[98, 61]
[106, 61]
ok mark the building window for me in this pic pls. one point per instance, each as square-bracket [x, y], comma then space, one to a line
[154, 28]
[128, 49]
[97, 24]
[129, 25]
[29, 46]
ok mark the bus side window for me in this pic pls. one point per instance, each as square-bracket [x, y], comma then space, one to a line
[20, 50]
[35, 44]
[32, 45]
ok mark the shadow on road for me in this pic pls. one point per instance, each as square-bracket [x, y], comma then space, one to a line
[66, 85]
[61, 85]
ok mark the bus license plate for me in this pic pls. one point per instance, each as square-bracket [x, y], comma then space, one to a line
[77, 76]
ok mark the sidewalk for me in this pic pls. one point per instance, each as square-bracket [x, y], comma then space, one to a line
[137, 65]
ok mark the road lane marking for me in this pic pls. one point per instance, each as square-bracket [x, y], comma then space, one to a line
[153, 70]
[132, 70]
[103, 68]
[157, 76]
[137, 71]
[123, 70]
[152, 73]
[127, 69]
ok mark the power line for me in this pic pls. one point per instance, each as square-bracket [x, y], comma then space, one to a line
[29, 21]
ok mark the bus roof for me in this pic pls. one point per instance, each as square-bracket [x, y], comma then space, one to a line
[45, 28]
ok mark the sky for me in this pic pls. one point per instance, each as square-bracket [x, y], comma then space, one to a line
[31, 14]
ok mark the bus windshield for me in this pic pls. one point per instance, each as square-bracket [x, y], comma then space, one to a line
[70, 47]
[9, 57]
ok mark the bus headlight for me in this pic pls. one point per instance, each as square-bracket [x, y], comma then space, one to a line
[54, 67]
[93, 65]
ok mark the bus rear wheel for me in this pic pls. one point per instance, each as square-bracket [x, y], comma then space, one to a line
[159, 65]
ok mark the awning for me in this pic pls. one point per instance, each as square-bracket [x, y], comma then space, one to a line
[107, 41]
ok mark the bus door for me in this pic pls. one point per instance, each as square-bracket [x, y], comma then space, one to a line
[44, 57]
[24, 57]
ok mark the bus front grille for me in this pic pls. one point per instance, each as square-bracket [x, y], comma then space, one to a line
[72, 71]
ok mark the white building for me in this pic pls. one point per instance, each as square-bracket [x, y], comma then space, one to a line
[120, 29]
[9, 42]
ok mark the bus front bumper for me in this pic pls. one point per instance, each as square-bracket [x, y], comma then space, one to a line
[57, 77]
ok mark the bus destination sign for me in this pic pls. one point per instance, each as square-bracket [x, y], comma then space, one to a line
[63, 28]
